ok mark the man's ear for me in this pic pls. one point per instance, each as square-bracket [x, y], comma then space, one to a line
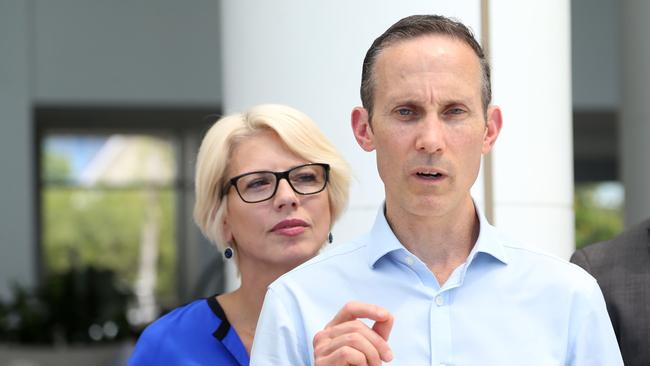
[492, 128]
[362, 129]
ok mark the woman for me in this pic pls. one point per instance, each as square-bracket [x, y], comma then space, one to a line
[269, 186]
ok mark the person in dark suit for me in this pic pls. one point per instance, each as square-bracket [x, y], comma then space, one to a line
[622, 268]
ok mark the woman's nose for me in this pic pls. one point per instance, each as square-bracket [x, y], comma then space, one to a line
[285, 195]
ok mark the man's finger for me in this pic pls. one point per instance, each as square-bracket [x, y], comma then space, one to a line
[352, 341]
[356, 327]
[384, 327]
[343, 356]
[358, 310]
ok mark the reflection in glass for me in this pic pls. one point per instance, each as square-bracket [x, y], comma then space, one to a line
[108, 202]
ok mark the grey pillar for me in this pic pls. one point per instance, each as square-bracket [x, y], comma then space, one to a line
[17, 257]
[635, 109]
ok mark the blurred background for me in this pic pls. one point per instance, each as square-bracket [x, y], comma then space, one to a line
[103, 105]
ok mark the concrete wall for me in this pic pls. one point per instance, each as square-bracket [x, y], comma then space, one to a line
[126, 52]
[635, 109]
[533, 165]
[17, 254]
[595, 50]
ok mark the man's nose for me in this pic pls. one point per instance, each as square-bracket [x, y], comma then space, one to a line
[430, 137]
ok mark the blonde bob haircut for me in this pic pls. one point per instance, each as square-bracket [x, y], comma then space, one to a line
[295, 129]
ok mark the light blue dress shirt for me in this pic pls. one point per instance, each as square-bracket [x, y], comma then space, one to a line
[507, 305]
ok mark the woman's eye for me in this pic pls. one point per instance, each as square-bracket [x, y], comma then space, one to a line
[304, 178]
[257, 183]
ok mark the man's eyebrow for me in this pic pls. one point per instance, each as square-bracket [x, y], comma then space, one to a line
[442, 101]
[404, 99]
[454, 101]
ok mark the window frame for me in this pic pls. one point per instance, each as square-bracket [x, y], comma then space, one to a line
[186, 126]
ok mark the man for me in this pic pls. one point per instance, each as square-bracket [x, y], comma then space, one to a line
[622, 268]
[460, 293]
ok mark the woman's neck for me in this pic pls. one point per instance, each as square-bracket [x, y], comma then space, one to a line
[243, 306]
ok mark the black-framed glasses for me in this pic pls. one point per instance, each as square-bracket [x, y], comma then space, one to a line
[260, 186]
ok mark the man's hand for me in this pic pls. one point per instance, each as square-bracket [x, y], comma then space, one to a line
[348, 341]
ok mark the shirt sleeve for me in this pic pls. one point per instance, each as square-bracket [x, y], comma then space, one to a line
[280, 335]
[592, 340]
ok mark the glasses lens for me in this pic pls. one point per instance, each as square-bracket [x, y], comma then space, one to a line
[256, 186]
[308, 179]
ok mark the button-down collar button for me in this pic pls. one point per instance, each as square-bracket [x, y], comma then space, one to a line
[439, 300]
[408, 260]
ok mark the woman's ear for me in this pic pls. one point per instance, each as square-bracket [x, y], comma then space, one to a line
[224, 224]
[362, 129]
[226, 230]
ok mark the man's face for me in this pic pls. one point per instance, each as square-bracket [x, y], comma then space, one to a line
[428, 125]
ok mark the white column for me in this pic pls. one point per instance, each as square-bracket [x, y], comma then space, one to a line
[532, 161]
[308, 54]
[635, 109]
[17, 257]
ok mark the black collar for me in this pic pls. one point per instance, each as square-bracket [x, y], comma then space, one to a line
[224, 326]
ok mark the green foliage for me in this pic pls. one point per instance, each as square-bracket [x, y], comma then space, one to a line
[594, 222]
[103, 228]
[55, 167]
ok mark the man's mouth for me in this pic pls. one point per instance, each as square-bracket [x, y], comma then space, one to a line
[429, 175]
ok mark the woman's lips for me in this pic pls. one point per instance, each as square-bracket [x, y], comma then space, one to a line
[290, 227]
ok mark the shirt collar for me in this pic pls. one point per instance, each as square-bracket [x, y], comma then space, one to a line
[226, 334]
[489, 239]
[383, 241]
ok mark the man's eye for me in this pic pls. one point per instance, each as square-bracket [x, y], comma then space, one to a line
[455, 111]
[405, 112]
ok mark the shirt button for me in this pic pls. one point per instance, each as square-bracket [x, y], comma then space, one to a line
[440, 301]
[408, 261]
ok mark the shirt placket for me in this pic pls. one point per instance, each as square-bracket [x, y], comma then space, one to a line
[439, 310]
[440, 329]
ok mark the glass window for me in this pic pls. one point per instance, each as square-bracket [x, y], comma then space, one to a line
[598, 211]
[108, 204]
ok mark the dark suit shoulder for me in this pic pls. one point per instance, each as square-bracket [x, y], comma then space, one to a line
[622, 267]
[632, 245]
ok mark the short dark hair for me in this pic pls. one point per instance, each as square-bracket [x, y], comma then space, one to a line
[416, 26]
